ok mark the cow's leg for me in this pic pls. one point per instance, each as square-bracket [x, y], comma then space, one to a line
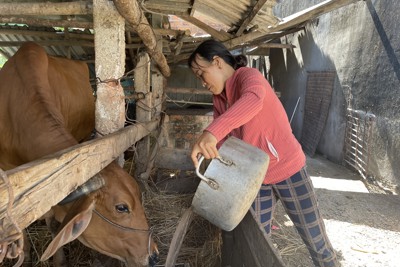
[59, 259]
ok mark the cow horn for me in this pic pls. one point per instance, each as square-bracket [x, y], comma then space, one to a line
[94, 183]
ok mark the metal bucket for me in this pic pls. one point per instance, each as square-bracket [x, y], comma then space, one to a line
[230, 183]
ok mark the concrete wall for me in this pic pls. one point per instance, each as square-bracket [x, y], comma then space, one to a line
[180, 130]
[361, 43]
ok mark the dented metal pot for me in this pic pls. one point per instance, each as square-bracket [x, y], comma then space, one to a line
[230, 183]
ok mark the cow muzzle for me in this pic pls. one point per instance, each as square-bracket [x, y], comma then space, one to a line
[153, 255]
[153, 259]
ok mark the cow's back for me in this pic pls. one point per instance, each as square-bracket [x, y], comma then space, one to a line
[46, 105]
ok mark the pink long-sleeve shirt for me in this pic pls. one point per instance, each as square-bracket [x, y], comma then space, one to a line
[249, 109]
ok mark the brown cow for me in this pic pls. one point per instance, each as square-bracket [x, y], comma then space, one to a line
[46, 105]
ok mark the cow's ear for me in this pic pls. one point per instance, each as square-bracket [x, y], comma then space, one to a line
[73, 226]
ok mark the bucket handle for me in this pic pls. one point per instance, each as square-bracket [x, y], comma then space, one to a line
[213, 184]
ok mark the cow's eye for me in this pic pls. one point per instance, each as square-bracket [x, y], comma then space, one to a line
[122, 208]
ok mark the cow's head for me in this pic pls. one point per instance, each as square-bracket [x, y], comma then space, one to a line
[110, 220]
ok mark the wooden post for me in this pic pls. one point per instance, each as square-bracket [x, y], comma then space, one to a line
[249, 245]
[143, 109]
[157, 107]
[109, 39]
[157, 85]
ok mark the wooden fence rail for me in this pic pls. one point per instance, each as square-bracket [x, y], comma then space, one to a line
[41, 184]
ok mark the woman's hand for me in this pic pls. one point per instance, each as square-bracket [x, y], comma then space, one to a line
[206, 145]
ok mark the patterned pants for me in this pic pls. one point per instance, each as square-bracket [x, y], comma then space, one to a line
[299, 200]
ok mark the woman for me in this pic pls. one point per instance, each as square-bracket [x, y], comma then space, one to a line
[245, 106]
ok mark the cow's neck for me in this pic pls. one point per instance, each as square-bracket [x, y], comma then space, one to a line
[44, 133]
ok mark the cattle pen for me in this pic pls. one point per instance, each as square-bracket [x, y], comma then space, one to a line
[34, 191]
[31, 189]
[333, 64]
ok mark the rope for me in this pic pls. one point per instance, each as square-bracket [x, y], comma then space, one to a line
[125, 75]
[126, 228]
[11, 247]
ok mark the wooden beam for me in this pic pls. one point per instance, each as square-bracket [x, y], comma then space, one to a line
[264, 49]
[253, 12]
[171, 32]
[219, 35]
[258, 52]
[178, 58]
[41, 184]
[193, 91]
[46, 22]
[166, 6]
[179, 236]
[54, 35]
[5, 54]
[189, 102]
[292, 21]
[275, 45]
[312, 12]
[85, 36]
[63, 43]
[273, 36]
[249, 245]
[132, 12]
[193, 9]
[47, 8]
[50, 43]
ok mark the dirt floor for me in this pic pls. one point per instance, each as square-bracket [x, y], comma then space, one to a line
[362, 221]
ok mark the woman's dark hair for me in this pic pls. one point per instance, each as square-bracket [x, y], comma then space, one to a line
[211, 48]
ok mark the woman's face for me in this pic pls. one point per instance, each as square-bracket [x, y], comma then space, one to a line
[210, 74]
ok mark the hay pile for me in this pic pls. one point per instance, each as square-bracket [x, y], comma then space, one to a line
[39, 237]
[202, 244]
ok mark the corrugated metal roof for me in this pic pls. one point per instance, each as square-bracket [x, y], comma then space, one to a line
[9, 35]
[237, 23]
[230, 13]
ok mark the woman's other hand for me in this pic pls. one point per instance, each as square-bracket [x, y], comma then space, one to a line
[205, 145]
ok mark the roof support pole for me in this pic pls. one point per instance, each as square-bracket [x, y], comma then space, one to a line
[109, 39]
[143, 108]
[131, 11]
